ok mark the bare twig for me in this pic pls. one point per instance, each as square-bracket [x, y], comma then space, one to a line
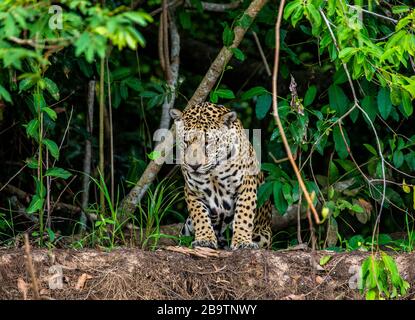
[30, 268]
[14, 176]
[128, 205]
[277, 117]
[373, 13]
[261, 52]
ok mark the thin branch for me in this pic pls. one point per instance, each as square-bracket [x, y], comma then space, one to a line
[373, 13]
[277, 117]
[14, 176]
[261, 52]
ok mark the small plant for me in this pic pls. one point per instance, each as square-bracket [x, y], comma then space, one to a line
[381, 278]
[159, 202]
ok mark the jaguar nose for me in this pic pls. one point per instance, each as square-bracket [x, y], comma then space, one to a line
[195, 166]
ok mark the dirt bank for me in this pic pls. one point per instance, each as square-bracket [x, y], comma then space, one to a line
[179, 273]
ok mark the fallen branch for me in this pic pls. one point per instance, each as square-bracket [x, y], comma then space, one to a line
[129, 203]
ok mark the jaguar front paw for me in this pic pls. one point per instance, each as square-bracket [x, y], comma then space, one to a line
[205, 244]
[245, 245]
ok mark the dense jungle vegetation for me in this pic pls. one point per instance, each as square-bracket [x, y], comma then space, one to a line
[85, 84]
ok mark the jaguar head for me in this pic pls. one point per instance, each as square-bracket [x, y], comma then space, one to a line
[205, 137]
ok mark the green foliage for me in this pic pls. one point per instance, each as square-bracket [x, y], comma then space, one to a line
[381, 278]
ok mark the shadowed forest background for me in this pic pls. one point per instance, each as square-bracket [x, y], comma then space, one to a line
[85, 84]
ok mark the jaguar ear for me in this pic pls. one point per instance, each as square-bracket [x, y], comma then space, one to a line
[229, 118]
[176, 114]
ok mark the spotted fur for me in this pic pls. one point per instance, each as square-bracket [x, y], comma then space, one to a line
[221, 174]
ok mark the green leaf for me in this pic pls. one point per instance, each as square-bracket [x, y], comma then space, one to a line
[310, 95]
[371, 294]
[225, 93]
[148, 94]
[356, 242]
[400, 9]
[134, 84]
[340, 76]
[58, 173]
[369, 105]
[290, 7]
[197, 4]
[357, 208]
[185, 19]
[213, 97]
[50, 112]
[154, 155]
[26, 84]
[384, 103]
[51, 235]
[314, 15]
[338, 100]
[262, 106]
[32, 129]
[324, 260]
[407, 103]
[35, 205]
[287, 192]
[39, 101]
[5, 94]
[264, 192]
[52, 88]
[346, 53]
[52, 147]
[227, 36]
[279, 200]
[339, 142]
[255, 91]
[398, 159]
[32, 163]
[40, 187]
[238, 54]
[141, 18]
[390, 265]
[383, 239]
[370, 149]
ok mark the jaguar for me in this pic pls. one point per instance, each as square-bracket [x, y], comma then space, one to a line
[222, 175]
